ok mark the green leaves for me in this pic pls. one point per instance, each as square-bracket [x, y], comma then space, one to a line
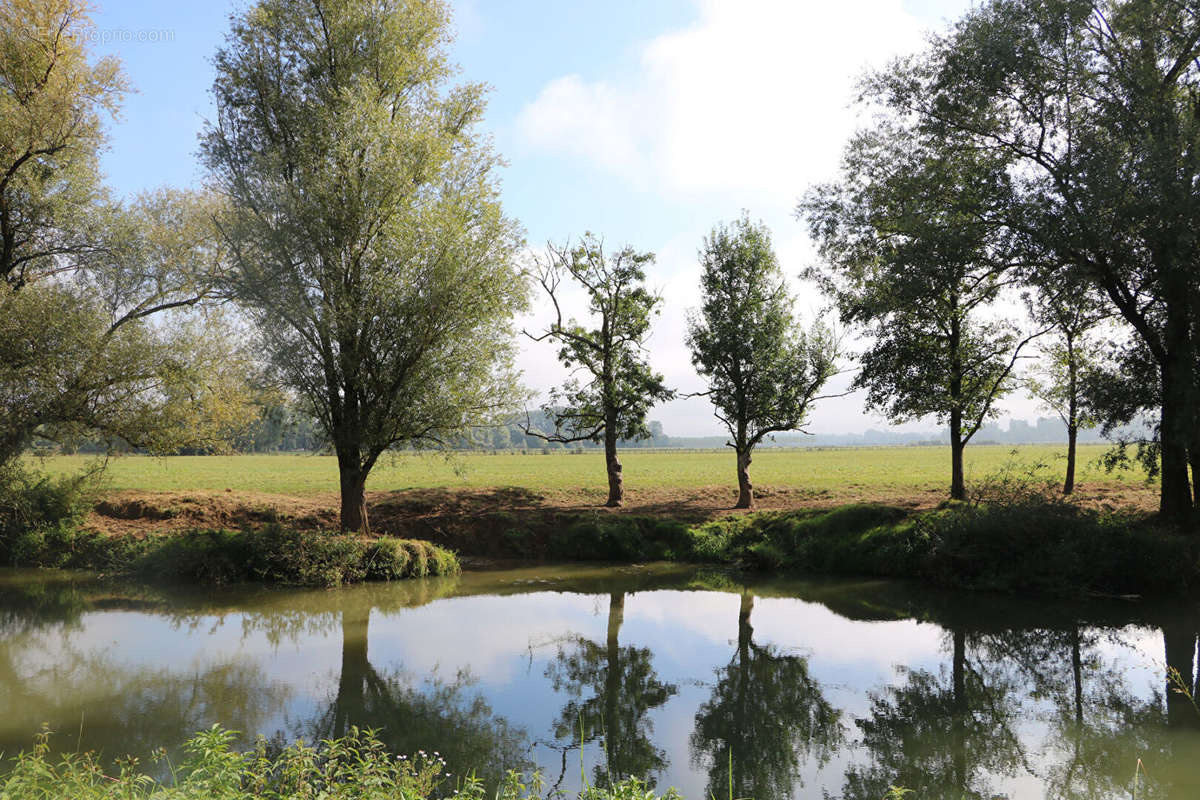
[763, 371]
[366, 229]
[913, 258]
[619, 388]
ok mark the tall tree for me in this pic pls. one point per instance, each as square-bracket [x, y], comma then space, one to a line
[763, 372]
[620, 387]
[909, 259]
[1092, 104]
[368, 238]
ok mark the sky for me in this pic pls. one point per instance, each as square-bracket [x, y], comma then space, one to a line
[643, 121]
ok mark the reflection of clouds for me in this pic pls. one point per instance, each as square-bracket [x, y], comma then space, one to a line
[490, 638]
[132, 640]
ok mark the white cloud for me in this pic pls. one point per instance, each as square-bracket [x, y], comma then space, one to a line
[754, 97]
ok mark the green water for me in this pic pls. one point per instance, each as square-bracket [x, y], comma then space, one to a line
[809, 688]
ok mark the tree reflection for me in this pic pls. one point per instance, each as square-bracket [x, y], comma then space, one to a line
[437, 716]
[96, 701]
[621, 689]
[941, 734]
[765, 715]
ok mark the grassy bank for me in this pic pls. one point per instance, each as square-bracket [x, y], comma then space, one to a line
[1029, 544]
[1012, 537]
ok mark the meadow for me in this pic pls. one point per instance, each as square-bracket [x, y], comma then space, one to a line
[835, 470]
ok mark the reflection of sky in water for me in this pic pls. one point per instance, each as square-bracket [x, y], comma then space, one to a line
[506, 644]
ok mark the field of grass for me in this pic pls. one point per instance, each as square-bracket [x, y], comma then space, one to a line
[834, 470]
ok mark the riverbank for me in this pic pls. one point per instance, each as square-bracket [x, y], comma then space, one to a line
[1023, 543]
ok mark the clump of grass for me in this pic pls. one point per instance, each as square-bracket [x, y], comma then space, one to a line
[355, 766]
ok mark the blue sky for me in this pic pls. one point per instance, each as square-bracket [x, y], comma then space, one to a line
[646, 121]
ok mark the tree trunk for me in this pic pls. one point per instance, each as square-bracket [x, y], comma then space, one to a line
[1069, 480]
[1175, 494]
[353, 487]
[745, 489]
[958, 485]
[616, 484]
[1072, 418]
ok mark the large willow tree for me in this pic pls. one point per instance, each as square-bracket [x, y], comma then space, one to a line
[367, 233]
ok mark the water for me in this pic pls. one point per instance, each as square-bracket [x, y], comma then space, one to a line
[808, 688]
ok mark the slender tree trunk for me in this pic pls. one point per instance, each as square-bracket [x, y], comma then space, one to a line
[353, 489]
[1072, 417]
[1069, 480]
[958, 485]
[745, 489]
[1178, 415]
[616, 484]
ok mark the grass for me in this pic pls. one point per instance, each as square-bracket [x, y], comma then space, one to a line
[841, 471]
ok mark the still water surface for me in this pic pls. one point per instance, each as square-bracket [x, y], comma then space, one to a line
[810, 688]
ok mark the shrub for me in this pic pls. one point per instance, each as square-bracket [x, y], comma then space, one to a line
[39, 515]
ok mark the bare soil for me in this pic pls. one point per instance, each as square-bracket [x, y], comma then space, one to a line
[416, 511]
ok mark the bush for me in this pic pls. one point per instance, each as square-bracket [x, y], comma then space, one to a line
[280, 555]
[39, 514]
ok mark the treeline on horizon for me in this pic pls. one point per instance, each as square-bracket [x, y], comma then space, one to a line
[283, 430]
[1018, 212]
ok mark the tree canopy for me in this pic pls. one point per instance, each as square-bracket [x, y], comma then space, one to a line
[366, 229]
[763, 371]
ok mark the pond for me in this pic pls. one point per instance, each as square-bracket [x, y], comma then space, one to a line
[709, 682]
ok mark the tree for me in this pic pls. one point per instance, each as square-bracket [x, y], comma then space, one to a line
[1068, 355]
[367, 234]
[87, 284]
[908, 258]
[763, 374]
[620, 388]
[1092, 107]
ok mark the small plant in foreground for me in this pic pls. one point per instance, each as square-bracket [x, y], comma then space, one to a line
[355, 766]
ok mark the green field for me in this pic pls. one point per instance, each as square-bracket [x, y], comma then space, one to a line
[837, 469]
